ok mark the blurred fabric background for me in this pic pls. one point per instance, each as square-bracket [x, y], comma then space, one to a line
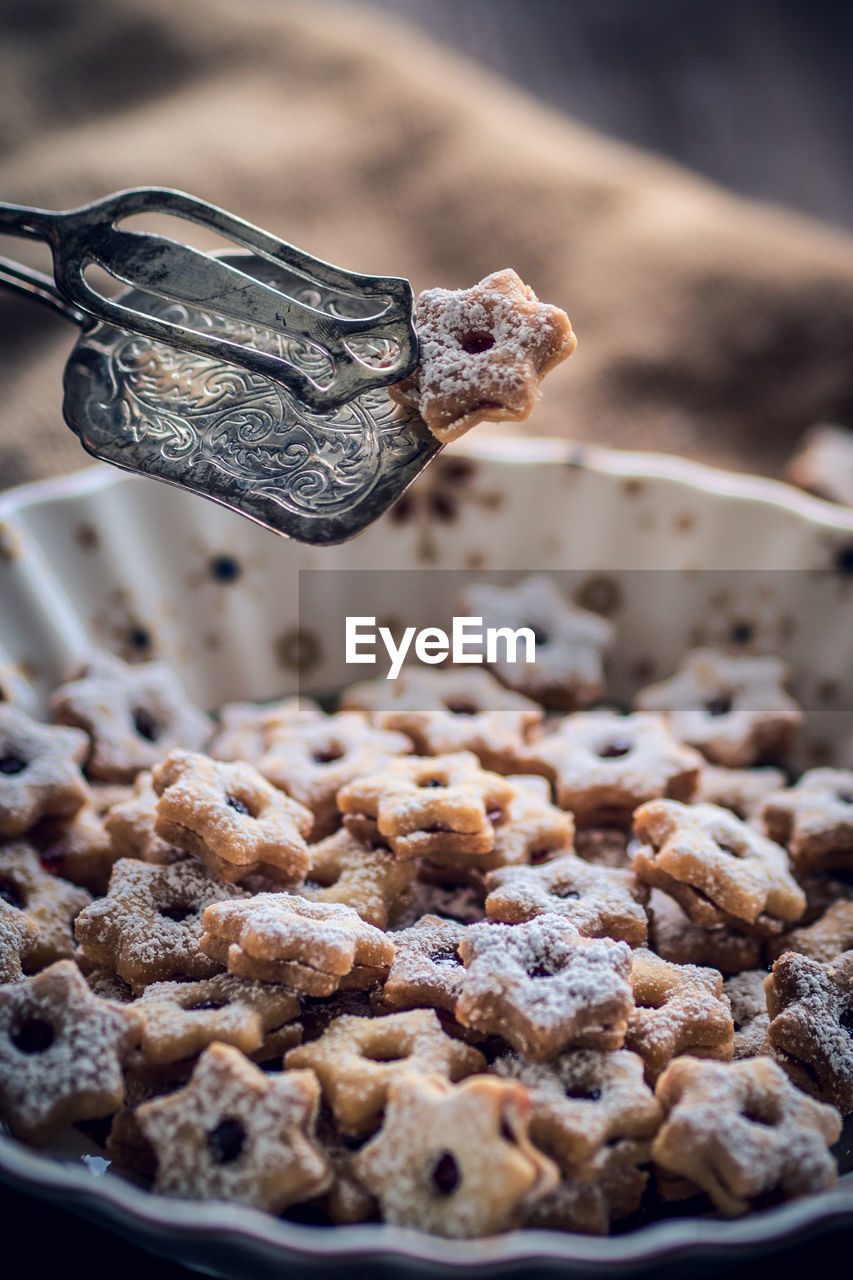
[709, 324]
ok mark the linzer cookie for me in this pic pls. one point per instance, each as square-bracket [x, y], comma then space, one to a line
[147, 928]
[455, 1160]
[310, 946]
[79, 848]
[61, 1052]
[17, 935]
[238, 1133]
[231, 818]
[544, 987]
[131, 824]
[720, 870]
[743, 1133]
[366, 877]
[427, 969]
[583, 1103]
[571, 642]
[357, 1059]
[825, 939]
[814, 819]
[177, 1020]
[133, 715]
[613, 1191]
[483, 353]
[47, 902]
[811, 1015]
[39, 772]
[734, 709]
[604, 765]
[680, 1008]
[427, 806]
[533, 832]
[599, 901]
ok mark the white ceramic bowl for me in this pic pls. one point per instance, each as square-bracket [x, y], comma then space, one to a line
[146, 570]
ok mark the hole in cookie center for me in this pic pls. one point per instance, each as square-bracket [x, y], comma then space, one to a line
[583, 1093]
[11, 764]
[719, 706]
[474, 344]
[730, 849]
[227, 1140]
[238, 805]
[384, 1053]
[34, 1035]
[756, 1116]
[615, 749]
[431, 782]
[844, 797]
[446, 1175]
[330, 755]
[10, 893]
[177, 913]
[458, 707]
[145, 724]
[207, 1006]
[446, 959]
[540, 971]
[541, 637]
[567, 894]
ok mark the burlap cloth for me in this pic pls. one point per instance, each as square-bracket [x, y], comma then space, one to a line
[708, 326]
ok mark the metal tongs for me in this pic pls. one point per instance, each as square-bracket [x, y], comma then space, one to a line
[255, 378]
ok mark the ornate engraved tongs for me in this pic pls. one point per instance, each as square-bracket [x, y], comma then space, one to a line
[255, 378]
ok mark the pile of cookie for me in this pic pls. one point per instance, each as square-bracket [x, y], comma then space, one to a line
[444, 958]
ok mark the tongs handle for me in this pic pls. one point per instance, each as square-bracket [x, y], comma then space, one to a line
[158, 265]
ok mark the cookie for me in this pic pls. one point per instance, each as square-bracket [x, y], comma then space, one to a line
[148, 927]
[483, 353]
[811, 1016]
[427, 969]
[47, 902]
[230, 818]
[744, 791]
[357, 1059]
[734, 709]
[237, 1133]
[743, 1133]
[312, 947]
[584, 1103]
[571, 642]
[366, 877]
[455, 1160]
[717, 868]
[599, 901]
[428, 806]
[39, 772]
[61, 1052]
[814, 820]
[680, 1008]
[131, 825]
[544, 988]
[603, 765]
[133, 715]
[177, 1020]
[825, 939]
